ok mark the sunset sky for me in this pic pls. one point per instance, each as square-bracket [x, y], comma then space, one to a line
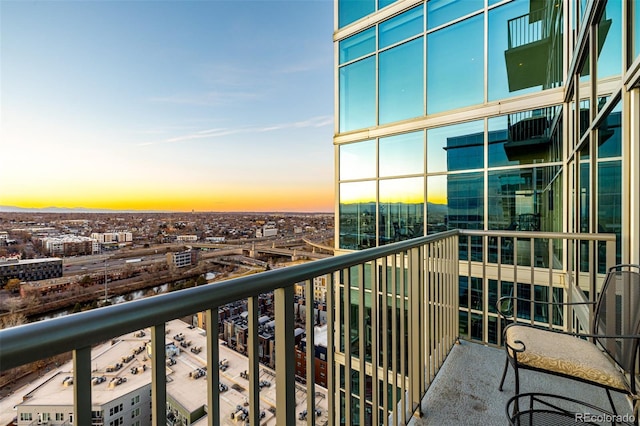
[167, 105]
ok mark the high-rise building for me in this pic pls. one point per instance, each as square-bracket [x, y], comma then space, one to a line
[519, 115]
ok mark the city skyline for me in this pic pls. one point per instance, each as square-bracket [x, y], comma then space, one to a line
[169, 106]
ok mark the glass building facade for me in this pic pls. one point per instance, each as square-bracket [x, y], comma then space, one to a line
[519, 115]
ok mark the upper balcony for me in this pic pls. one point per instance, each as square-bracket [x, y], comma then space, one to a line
[450, 282]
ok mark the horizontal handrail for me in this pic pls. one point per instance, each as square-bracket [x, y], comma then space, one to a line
[538, 235]
[31, 342]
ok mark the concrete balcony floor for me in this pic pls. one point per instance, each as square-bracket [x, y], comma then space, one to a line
[465, 390]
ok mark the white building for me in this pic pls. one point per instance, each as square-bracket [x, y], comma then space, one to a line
[113, 237]
[182, 258]
[120, 394]
[267, 230]
[187, 238]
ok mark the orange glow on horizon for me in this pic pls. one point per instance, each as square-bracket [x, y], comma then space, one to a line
[188, 199]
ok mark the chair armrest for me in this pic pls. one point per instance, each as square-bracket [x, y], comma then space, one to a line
[504, 305]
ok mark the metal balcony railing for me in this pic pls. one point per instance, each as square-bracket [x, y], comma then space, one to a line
[421, 277]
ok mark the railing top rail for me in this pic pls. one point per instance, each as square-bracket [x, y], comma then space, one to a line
[30, 342]
[539, 235]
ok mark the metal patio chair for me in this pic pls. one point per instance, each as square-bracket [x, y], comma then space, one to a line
[607, 358]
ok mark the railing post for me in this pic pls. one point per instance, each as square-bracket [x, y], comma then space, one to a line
[310, 352]
[158, 376]
[384, 344]
[285, 359]
[361, 342]
[254, 364]
[416, 350]
[213, 373]
[375, 348]
[82, 386]
[331, 366]
[346, 314]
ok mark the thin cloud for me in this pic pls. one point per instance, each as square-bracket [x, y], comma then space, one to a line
[315, 122]
[213, 98]
[319, 121]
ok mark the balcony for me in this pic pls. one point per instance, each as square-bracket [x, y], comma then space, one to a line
[441, 361]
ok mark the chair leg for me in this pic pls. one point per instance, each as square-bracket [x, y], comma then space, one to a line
[613, 406]
[504, 373]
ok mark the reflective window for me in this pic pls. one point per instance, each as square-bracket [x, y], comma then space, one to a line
[442, 11]
[401, 209]
[384, 3]
[610, 40]
[358, 45]
[351, 10]
[465, 196]
[455, 201]
[525, 137]
[610, 202]
[437, 210]
[524, 48]
[584, 115]
[401, 27]
[610, 178]
[455, 80]
[357, 215]
[401, 154]
[609, 134]
[358, 160]
[402, 82]
[585, 190]
[358, 95]
[456, 147]
[524, 199]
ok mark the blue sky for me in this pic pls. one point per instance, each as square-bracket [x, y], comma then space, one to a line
[174, 105]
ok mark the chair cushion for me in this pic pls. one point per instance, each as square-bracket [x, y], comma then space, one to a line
[564, 354]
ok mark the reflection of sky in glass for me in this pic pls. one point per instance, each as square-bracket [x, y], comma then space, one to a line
[358, 95]
[358, 45]
[610, 58]
[358, 160]
[442, 11]
[455, 67]
[402, 154]
[407, 191]
[401, 82]
[437, 189]
[383, 3]
[358, 192]
[437, 157]
[351, 10]
[401, 27]
[498, 42]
